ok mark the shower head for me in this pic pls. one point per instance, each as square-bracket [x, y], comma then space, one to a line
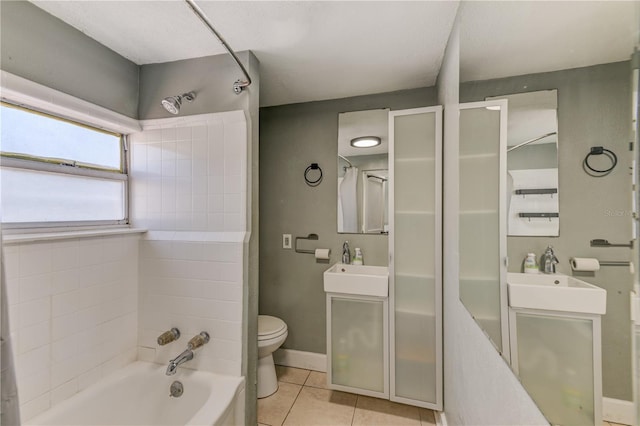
[173, 103]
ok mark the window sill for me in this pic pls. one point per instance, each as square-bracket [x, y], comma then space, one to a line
[28, 237]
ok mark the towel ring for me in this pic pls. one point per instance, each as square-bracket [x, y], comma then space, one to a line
[598, 150]
[310, 182]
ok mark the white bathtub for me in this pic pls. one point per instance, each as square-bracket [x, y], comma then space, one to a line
[138, 394]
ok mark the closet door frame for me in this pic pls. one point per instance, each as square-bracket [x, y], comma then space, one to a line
[437, 233]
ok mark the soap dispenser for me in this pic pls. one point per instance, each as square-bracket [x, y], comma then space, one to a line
[531, 264]
[357, 257]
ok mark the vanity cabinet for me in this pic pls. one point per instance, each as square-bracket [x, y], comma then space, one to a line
[357, 344]
[557, 357]
[391, 347]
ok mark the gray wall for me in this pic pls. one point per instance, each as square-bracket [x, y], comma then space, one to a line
[211, 77]
[43, 49]
[594, 108]
[291, 138]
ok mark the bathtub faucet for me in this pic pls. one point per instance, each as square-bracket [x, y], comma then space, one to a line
[187, 355]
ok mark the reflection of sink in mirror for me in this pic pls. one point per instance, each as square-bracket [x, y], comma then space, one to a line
[555, 292]
[364, 280]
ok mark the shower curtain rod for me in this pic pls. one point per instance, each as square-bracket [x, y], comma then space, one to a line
[238, 85]
[345, 159]
[531, 141]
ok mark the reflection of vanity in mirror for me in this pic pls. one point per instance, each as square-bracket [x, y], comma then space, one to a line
[513, 164]
[363, 172]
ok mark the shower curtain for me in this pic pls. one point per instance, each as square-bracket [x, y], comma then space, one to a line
[349, 200]
[9, 407]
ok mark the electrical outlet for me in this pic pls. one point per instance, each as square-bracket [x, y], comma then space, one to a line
[286, 241]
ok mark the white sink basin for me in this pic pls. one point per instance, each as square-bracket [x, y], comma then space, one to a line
[363, 280]
[555, 292]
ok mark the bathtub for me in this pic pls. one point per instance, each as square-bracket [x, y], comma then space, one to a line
[138, 394]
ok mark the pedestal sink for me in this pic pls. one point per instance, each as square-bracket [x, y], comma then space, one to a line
[361, 280]
[555, 292]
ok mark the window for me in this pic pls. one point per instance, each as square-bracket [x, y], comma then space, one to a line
[57, 172]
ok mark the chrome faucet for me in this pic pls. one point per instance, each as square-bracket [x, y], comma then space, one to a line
[548, 261]
[346, 253]
[197, 341]
[185, 356]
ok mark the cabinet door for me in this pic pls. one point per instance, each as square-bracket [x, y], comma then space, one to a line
[482, 219]
[415, 276]
[557, 359]
[358, 345]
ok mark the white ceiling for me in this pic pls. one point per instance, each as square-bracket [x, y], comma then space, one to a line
[315, 50]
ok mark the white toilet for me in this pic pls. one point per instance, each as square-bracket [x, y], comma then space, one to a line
[272, 332]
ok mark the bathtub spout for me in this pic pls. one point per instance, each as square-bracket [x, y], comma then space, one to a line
[185, 356]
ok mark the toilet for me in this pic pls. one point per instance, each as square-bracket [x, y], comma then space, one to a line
[272, 332]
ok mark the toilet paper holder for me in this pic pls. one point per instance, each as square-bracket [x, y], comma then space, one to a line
[599, 242]
[308, 237]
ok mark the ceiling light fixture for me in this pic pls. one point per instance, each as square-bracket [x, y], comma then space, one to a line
[366, 142]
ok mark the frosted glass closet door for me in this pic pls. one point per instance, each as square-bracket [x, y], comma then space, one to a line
[415, 256]
[482, 219]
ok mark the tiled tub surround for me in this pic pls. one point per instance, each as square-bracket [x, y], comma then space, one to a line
[73, 314]
[190, 173]
[189, 189]
[194, 286]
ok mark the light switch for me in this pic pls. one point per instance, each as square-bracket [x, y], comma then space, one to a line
[286, 241]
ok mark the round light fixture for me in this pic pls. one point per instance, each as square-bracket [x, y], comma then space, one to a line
[366, 142]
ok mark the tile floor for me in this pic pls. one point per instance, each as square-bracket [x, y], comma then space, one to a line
[303, 399]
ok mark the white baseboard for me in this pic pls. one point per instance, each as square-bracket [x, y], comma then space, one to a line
[441, 419]
[618, 411]
[301, 359]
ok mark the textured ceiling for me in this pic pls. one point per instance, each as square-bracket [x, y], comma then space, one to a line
[315, 50]
[500, 39]
[308, 50]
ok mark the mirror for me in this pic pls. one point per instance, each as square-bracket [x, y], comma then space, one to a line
[363, 172]
[533, 208]
[517, 48]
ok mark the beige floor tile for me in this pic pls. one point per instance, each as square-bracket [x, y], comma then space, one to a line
[273, 409]
[375, 411]
[322, 407]
[262, 424]
[427, 417]
[317, 379]
[297, 376]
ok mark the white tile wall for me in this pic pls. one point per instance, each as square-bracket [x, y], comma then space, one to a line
[188, 177]
[189, 174]
[194, 286]
[73, 314]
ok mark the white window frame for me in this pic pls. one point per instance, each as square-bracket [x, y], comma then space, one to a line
[33, 96]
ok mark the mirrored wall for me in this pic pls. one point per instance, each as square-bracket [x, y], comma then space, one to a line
[565, 75]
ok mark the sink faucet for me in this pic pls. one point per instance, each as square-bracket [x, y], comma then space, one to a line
[187, 355]
[549, 261]
[346, 253]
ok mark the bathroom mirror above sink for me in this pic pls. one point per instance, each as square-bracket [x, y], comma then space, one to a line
[363, 172]
[533, 207]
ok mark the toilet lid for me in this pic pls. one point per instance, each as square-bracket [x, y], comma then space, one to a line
[268, 325]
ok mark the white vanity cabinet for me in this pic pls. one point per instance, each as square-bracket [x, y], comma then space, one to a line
[557, 357]
[357, 344]
[384, 326]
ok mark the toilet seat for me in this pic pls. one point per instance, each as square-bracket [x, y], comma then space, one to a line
[270, 327]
